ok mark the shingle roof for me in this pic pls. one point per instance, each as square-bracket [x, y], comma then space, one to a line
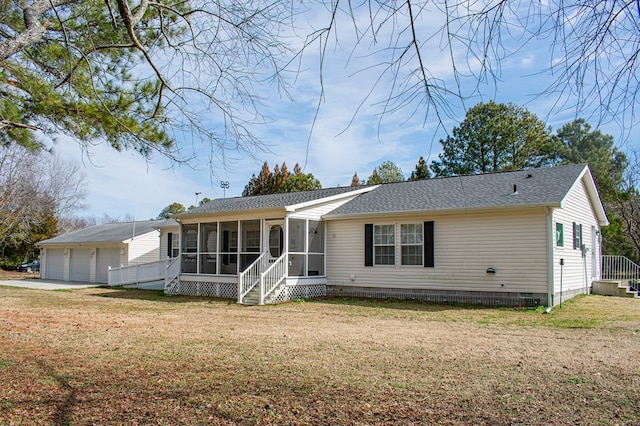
[545, 186]
[105, 233]
[258, 202]
[166, 223]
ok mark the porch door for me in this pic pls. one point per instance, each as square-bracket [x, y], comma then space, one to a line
[274, 239]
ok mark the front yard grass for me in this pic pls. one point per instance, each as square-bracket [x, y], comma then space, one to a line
[113, 356]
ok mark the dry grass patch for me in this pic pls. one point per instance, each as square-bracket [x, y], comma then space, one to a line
[104, 356]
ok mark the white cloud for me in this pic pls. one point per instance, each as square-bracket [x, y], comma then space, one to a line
[124, 183]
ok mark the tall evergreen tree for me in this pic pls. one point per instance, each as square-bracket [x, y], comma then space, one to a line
[172, 210]
[495, 137]
[355, 180]
[579, 144]
[421, 171]
[281, 180]
[386, 172]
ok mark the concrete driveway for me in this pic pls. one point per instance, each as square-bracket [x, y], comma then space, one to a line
[39, 284]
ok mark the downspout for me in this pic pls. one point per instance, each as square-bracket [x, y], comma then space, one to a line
[550, 259]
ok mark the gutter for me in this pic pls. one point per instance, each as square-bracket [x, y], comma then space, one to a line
[461, 210]
[550, 260]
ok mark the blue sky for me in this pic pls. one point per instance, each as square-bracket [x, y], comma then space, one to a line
[124, 184]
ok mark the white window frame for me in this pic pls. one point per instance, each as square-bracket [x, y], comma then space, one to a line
[175, 245]
[376, 244]
[419, 243]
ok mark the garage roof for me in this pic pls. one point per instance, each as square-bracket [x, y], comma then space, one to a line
[106, 233]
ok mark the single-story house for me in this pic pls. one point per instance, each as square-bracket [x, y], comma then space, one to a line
[501, 239]
[87, 254]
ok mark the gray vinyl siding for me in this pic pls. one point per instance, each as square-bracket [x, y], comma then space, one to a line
[577, 271]
[513, 242]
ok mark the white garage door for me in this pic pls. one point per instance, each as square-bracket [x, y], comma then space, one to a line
[54, 267]
[106, 257]
[79, 265]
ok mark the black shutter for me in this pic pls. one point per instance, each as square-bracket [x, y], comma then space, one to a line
[580, 233]
[429, 252]
[169, 245]
[575, 235]
[368, 244]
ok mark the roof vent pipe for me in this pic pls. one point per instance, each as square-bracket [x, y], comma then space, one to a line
[515, 190]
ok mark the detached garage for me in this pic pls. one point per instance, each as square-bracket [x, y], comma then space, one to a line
[87, 254]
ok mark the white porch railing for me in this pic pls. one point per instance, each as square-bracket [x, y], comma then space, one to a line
[272, 277]
[138, 273]
[619, 268]
[250, 277]
[172, 275]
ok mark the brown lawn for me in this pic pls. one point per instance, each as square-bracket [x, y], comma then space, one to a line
[110, 356]
[15, 275]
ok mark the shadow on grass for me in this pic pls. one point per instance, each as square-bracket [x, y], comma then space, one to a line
[407, 305]
[154, 296]
[67, 396]
[396, 304]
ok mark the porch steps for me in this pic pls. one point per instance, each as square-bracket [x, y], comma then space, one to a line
[253, 297]
[619, 288]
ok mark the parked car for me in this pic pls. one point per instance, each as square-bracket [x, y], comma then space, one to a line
[33, 266]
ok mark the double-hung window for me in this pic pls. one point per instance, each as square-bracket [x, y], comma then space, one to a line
[415, 247]
[384, 243]
[411, 244]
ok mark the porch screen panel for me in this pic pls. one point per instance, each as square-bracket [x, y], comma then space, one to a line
[315, 257]
[229, 247]
[208, 248]
[316, 237]
[249, 243]
[296, 265]
[297, 241]
[189, 263]
[315, 265]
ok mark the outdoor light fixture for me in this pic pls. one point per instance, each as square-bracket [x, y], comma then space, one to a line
[491, 271]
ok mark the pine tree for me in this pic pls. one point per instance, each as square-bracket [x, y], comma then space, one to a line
[355, 180]
[421, 171]
[281, 180]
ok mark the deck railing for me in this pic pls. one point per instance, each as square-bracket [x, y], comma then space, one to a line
[619, 268]
[172, 275]
[138, 273]
[250, 277]
[272, 277]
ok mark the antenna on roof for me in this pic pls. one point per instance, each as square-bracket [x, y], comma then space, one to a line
[135, 208]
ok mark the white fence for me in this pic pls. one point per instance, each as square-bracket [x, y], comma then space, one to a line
[139, 274]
